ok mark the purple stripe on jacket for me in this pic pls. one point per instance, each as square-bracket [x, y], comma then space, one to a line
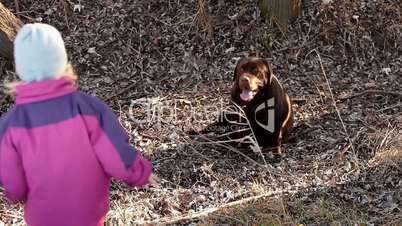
[58, 149]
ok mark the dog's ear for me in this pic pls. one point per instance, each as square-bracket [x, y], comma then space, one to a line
[265, 69]
[239, 65]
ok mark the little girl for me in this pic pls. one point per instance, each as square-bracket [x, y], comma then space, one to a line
[59, 147]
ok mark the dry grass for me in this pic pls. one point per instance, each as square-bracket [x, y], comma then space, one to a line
[203, 19]
[151, 49]
[290, 211]
[271, 211]
[280, 12]
[389, 150]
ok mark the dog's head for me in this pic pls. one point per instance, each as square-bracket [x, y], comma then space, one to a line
[251, 76]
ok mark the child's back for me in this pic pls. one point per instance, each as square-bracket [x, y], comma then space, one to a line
[58, 149]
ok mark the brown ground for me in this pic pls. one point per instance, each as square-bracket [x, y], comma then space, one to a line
[343, 168]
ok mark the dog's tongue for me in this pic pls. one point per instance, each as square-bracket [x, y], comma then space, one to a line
[247, 95]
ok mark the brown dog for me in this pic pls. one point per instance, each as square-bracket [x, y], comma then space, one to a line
[267, 106]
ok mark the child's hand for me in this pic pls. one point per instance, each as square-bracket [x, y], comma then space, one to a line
[154, 180]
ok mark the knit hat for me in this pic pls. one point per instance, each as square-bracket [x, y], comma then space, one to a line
[39, 53]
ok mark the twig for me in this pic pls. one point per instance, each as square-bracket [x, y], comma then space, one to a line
[271, 170]
[319, 91]
[254, 141]
[299, 100]
[234, 150]
[257, 11]
[148, 136]
[120, 92]
[385, 139]
[240, 222]
[334, 101]
[391, 107]
[199, 153]
[205, 213]
[171, 183]
[210, 141]
[371, 91]
[233, 132]
[64, 3]
[17, 7]
[31, 19]
[172, 220]
[12, 216]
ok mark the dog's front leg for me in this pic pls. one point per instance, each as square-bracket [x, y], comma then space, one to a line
[278, 146]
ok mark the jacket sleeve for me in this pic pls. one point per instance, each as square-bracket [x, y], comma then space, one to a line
[12, 175]
[112, 148]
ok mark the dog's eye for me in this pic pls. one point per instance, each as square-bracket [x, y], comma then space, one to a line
[251, 69]
[254, 70]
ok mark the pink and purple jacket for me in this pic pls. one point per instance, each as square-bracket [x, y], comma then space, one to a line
[58, 150]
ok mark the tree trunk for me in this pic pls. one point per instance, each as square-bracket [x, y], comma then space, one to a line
[280, 11]
[9, 25]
